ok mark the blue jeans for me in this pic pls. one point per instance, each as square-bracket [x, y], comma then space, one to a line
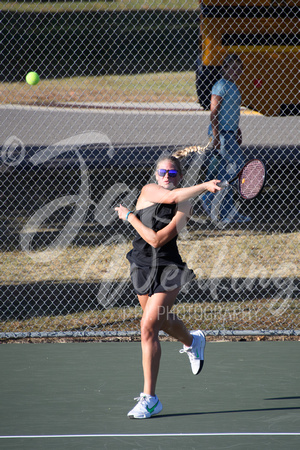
[223, 165]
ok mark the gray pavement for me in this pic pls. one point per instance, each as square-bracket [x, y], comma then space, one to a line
[135, 123]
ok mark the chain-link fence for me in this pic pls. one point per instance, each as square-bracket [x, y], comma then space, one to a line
[120, 84]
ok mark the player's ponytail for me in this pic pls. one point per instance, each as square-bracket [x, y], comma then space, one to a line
[183, 153]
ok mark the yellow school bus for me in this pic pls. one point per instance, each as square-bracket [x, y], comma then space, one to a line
[266, 36]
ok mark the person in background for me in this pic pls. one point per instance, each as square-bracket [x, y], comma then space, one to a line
[225, 131]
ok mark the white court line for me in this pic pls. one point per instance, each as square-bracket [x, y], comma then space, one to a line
[64, 436]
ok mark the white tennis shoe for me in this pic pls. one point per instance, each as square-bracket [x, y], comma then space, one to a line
[146, 407]
[196, 351]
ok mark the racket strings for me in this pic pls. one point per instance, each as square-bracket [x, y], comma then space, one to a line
[179, 154]
[252, 179]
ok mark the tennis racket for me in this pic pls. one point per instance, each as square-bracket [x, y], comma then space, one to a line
[182, 153]
[251, 179]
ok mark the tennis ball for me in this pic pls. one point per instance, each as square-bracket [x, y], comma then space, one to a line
[32, 78]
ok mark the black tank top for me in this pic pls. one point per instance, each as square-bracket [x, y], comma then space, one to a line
[156, 217]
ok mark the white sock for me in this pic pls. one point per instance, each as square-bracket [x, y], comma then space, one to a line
[186, 346]
[149, 397]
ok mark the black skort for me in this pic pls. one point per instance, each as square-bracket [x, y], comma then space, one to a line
[150, 280]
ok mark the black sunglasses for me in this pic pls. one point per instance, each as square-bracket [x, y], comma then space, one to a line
[172, 173]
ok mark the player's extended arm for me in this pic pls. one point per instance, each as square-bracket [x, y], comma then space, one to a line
[152, 193]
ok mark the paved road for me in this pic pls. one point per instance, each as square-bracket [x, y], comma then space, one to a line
[170, 124]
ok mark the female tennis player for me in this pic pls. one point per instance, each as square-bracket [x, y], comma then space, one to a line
[157, 272]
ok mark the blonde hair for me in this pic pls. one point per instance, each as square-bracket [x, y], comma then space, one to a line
[183, 153]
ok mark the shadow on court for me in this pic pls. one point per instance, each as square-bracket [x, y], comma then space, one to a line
[76, 396]
[226, 412]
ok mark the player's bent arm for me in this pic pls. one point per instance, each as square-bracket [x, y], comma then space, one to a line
[158, 238]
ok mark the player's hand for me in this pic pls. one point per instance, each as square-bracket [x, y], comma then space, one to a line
[212, 186]
[122, 211]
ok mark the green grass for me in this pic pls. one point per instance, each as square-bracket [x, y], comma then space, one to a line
[267, 256]
[155, 87]
[118, 5]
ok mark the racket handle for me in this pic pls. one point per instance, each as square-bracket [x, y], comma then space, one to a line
[223, 184]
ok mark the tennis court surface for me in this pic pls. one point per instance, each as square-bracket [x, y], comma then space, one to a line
[77, 395]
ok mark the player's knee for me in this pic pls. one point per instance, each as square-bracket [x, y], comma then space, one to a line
[149, 329]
